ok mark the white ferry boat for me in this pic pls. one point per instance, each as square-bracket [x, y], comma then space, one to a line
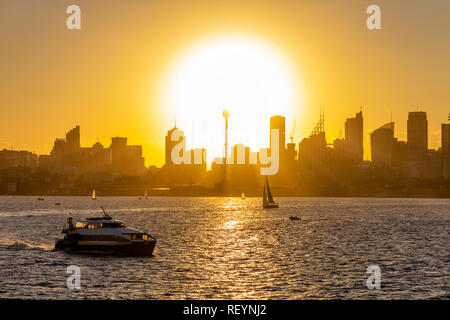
[103, 234]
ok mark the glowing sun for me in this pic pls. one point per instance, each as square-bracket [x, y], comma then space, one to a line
[248, 77]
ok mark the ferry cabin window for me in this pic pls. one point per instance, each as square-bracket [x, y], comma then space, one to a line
[103, 238]
[94, 226]
[114, 225]
[80, 225]
[136, 236]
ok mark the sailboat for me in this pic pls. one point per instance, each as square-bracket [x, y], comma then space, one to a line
[93, 195]
[146, 194]
[267, 198]
[243, 196]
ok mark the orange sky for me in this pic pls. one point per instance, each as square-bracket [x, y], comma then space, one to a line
[106, 77]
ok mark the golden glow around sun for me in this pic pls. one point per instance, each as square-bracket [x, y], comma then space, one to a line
[249, 78]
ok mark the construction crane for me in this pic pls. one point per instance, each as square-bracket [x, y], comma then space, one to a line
[292, 133]
[320, 126]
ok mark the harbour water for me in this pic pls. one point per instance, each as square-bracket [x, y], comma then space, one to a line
[232, 248]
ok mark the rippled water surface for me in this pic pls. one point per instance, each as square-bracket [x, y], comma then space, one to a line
[228, 248]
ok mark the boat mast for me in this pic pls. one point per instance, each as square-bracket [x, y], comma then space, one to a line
[265, 202]
[269, 194]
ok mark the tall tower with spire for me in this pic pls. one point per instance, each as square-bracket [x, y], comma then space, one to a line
[226, 115]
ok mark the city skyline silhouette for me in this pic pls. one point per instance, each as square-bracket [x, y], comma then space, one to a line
[314, 165]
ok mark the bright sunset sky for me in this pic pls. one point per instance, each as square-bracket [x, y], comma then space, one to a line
[132, 61]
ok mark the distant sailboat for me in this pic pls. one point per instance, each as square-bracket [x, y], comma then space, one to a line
[146, 194]
[243, 196]
[93, 195]
[267, 198]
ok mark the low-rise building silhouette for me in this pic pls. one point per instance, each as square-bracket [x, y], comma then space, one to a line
[15, 158]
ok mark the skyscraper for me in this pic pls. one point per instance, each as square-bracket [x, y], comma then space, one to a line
[279, 122]
[73, 141]
[240, 154]
[445, 138]
[417, 140]
[381, 141]
[399, 153]
[57, 153]
[354, 137]
[72, 147]
[291, 155]
[126, 159]
[312, 150]
[171, 144]
[118, 154]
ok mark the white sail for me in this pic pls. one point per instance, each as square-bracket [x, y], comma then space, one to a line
[146, 194]
[93, 195]
[267, 197]
[243, 196]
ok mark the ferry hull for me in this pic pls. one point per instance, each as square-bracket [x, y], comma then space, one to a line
[131, 249]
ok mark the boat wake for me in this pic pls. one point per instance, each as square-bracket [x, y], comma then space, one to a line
[18, 245]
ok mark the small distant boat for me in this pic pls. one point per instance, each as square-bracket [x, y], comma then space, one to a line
[268, 202]
[243, 196]
[40, 199]
[146, 194]
[93, 195]
[57, 203]
[294, 218]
